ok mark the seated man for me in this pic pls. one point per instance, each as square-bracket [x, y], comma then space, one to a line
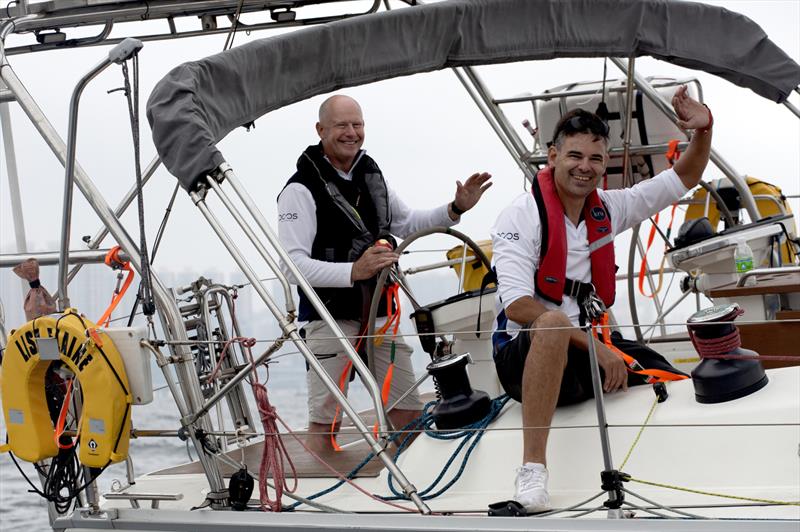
[548, 246]
[331, 213]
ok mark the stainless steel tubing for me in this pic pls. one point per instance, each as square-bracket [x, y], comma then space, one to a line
[517, 151]
[62, 299]
[50, 258]
[94, 243]
[660, 318]
[766, 271]
[361, 368]
[626, 143]
[274, 266]
[13, 185]
[291, 331]
[716, 158]
[244, 372]
[650, 283]
[602, 424]
[650, 149]
[499, 116]
[792, 108]
[288, 326]
[553, 94]
[169, 310]
[163, 363]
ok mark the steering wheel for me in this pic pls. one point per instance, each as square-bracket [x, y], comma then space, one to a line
[376, 295]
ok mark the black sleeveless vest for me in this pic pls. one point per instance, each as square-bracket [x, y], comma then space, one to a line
[339, 237]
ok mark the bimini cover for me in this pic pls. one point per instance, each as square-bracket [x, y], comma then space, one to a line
[200, 102]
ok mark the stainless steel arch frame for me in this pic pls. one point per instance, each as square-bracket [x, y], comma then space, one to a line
[286, 321]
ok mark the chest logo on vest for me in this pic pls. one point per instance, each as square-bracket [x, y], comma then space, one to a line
[598, 213]
[551, 279]
[603, 229]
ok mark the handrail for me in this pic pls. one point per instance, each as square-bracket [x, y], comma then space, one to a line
[765, 271]
[50, 258]
[716, 158]
[118, 54]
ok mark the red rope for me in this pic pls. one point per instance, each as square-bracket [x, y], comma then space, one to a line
[275, 453]
[62, 417]
[723, 345]
[720, 348]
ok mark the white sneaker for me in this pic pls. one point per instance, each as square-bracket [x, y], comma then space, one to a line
[531, 487]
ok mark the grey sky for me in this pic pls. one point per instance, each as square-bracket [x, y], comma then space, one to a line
[423, 130]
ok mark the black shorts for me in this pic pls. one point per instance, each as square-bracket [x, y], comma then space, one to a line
[576, 383]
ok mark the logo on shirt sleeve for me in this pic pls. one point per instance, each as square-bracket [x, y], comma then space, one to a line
[287, 216]
[507, 235]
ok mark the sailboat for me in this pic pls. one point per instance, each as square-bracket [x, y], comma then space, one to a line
[679, 456]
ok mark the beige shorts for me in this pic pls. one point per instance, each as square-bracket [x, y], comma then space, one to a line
[319, 339]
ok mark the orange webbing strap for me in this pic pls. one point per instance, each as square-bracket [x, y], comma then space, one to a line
[672, 155]
[643, 265]
[342, 383]
[633, 366]
[394, 318]
[113, 261]
[62, 417]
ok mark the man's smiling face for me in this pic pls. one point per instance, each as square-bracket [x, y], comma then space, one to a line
[578, 164]
[341, 129]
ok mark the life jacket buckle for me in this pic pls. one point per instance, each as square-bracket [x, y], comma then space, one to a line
[572, 289]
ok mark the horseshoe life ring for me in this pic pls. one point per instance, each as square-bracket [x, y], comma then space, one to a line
[105, 420]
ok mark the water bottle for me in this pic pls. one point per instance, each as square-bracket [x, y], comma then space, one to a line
[744, 261]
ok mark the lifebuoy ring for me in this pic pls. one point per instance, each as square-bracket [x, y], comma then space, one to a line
[105, 417]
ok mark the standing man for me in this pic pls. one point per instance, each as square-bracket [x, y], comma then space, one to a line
[548, 247]
[331, 213]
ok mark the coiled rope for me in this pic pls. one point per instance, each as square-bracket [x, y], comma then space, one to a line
[473, 433]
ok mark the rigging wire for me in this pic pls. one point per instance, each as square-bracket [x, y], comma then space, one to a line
[234, 24]
[132, 97]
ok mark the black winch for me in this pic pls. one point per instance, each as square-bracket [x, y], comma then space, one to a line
[727, 371]
[458, 405]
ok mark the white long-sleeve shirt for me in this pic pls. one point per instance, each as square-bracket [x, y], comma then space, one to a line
[516, 239]
[297, 227]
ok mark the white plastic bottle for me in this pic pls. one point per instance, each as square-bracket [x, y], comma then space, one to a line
[744, 261]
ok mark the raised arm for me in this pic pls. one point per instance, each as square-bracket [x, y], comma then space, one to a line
[694, 116]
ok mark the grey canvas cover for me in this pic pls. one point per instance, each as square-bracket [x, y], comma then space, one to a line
[198, 103]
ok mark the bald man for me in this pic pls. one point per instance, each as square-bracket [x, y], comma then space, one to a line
[330, 214]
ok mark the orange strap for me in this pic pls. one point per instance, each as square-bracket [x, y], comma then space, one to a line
[62, 417]
[672, 155]
[394, 318]
[113, 261]
[643, 265]
[633, 366]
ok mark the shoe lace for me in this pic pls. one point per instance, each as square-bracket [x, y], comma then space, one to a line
[530, 478]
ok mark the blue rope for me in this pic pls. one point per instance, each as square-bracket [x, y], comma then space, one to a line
[472, 432]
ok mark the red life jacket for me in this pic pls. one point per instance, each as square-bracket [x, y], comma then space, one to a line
[551, 275]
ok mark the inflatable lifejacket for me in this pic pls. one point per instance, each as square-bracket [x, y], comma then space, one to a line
[551, 278]
[105, 418]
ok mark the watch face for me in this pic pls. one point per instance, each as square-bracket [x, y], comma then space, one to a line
[716, 313]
